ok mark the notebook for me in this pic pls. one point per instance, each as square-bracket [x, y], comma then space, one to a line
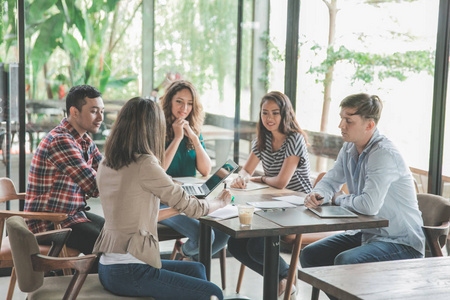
[251, 186]
[332, 212]
[203, 190]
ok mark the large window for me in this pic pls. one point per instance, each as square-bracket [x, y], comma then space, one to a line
[386, 49]
[196, 40]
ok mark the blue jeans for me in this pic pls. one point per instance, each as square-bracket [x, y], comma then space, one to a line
[342, 249]
[191, 228]
[175, 280]
[250, 252]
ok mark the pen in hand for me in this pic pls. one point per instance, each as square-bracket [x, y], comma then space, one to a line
[232, 197]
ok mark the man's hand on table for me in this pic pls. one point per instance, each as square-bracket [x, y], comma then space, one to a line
[313, 200]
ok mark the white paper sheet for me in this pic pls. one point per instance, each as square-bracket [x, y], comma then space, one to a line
[297, 200]
[229, 211]
[251, 186]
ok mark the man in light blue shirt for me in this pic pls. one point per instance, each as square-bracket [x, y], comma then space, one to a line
[379, 183]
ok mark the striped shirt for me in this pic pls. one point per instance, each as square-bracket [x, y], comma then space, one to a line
[272, 161]
[62, 175]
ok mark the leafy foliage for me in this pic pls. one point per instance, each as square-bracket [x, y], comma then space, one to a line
[197, 39]
[369, 66]
[71, 41]
[7, 26]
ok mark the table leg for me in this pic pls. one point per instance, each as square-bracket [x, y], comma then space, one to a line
[271, 266]
[315, 293]
[204, 254]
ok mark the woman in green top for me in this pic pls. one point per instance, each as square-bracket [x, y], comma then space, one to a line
[185, 153]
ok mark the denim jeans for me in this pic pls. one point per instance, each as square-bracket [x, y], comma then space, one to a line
[175, 280]
[191, 228]
[250, 252]
[343, 249]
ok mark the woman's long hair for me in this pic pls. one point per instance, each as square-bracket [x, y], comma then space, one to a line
[139, 129]
[196, 116]
[288, 122]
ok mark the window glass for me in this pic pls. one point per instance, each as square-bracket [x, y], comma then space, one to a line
[83, 42]
[67, 44]
[386, 49]
[277, 44]
[196, 40]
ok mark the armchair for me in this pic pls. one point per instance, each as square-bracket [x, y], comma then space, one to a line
[436, 216]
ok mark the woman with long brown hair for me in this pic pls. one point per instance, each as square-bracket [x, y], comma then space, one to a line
[132, 182]
[281, 147]
[185, 153]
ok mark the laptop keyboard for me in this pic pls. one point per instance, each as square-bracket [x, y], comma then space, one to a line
[192, 190]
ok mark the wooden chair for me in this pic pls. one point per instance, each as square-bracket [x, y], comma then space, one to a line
[8, 193]
[30, 266]
[298, 242]
[436, 216]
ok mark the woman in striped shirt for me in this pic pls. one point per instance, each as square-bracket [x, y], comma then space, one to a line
[281, 147]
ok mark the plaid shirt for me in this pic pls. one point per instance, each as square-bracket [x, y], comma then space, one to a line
[62, 176]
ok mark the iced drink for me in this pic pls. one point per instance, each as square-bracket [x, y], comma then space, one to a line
[245, 214]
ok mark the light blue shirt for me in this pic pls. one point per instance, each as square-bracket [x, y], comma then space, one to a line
[379, 183]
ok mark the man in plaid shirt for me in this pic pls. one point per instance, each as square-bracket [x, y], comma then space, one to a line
[64, 167]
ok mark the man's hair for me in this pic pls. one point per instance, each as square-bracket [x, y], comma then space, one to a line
[139, 128]
[367, 106]
[77, 96]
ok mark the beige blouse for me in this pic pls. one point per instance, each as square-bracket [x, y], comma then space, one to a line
[130, 200]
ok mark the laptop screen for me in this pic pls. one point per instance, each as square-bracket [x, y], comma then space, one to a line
[222, 173]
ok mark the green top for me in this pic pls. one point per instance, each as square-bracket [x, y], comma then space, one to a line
[183, 163]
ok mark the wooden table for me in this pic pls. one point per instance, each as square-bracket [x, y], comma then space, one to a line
[423, 278]
[262, 226]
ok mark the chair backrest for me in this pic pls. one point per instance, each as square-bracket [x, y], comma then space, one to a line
[436, 216]
[435, 209]
[23, 246]
[319, 178]
[7, 189]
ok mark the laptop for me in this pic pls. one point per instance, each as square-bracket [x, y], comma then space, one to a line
[332, 212]
[201, 191]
